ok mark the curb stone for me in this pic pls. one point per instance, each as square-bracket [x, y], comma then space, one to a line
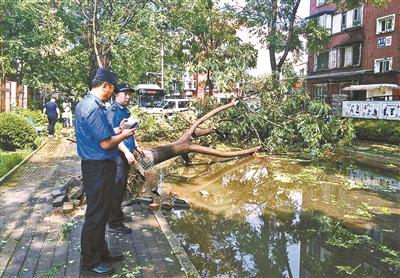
[6, 175]
[183, 258]
[371, 156]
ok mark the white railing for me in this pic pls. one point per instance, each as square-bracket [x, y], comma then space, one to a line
[385, 110]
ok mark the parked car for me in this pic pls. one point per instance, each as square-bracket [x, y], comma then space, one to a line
[170, 106]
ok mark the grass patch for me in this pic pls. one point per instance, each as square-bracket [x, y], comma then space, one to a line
[66, 229]
[51, 272]
[9, 160]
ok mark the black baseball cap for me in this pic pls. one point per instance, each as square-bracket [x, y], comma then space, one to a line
[107, 76]
[123, 87]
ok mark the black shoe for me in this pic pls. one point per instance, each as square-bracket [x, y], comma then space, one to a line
[99, 270]
[112, 258]
[127, 218]
[120, 229]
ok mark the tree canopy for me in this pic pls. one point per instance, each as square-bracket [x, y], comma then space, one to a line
[57, 45]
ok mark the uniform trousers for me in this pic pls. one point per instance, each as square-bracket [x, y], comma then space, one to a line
[116, 214]
[51, 125]
[98, 182]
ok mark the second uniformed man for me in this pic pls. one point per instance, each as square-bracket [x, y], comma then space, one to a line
[116, 114]
[97, 143]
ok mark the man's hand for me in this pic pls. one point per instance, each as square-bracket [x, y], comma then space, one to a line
[126, 133]
[130, 157]
[140, 151]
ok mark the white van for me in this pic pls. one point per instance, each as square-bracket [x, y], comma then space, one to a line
[170, 106]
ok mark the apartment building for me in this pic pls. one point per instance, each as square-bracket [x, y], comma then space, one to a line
[362, 59]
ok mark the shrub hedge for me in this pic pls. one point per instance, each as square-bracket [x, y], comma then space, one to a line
[16, 132]
[10, 159]
[378, 131]
[35, 115]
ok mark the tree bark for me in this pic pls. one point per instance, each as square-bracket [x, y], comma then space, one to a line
[183, 146]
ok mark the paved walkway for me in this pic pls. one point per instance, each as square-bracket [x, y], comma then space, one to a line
[35, 241]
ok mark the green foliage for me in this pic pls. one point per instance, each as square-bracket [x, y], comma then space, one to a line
[127, 270]
[279, 28]
[9, 160]
[340, 237]
[316, 35]
[67, 228]
[207, 41]
[34, 46]
[349, 4]
[287, 120]
[152, 127]
[16, 132]
[51, 272]
[35, 115]
[378, 131]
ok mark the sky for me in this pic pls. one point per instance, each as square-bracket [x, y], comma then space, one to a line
[263, 64]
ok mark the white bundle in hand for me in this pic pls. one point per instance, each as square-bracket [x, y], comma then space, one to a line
[129, 123]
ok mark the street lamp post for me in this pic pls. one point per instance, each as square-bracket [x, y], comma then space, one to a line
[157, 74]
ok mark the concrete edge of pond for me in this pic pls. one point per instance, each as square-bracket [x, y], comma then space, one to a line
[183, 258]
[9, 173]
[371, 156]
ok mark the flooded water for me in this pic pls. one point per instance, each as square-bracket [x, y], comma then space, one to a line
[288, 217]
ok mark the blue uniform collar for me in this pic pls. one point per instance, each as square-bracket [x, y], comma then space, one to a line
[119, 105]
[99, 102]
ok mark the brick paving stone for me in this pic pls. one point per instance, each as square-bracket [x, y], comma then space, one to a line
[31, 243]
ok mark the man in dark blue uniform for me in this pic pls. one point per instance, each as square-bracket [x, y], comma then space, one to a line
[97, 143]
[115, 115]
[53, 113]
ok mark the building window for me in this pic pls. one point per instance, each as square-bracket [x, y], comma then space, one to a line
[321, 61]
[325, 21]
[357, 16]
[352, 18]
[341, 58]
[344, 20]
[345, 56]
[320, 3]
[321, 92]
[356, 54]
[385, 24]
[383, 65]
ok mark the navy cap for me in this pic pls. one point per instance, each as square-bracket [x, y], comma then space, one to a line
[123, 87]
[107, 76]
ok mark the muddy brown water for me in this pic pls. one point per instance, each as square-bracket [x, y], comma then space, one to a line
[288, 217]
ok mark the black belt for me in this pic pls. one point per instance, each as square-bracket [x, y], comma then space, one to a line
[98, 161]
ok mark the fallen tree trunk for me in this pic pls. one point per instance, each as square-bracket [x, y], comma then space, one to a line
[183, 146]
[147, 184]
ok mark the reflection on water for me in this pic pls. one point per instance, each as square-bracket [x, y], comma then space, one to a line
[286, 217]
[374, 182]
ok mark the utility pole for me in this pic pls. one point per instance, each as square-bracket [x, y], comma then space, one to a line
[162, 66]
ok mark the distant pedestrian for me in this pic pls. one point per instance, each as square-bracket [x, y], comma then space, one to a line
[67, 113]
[97, 143]
[53, 113]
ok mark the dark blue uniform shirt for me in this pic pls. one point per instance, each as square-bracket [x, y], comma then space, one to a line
[92, 127]
[51, 110]
[115, 114]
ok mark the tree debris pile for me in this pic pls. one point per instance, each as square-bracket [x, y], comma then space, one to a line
[69, 196]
